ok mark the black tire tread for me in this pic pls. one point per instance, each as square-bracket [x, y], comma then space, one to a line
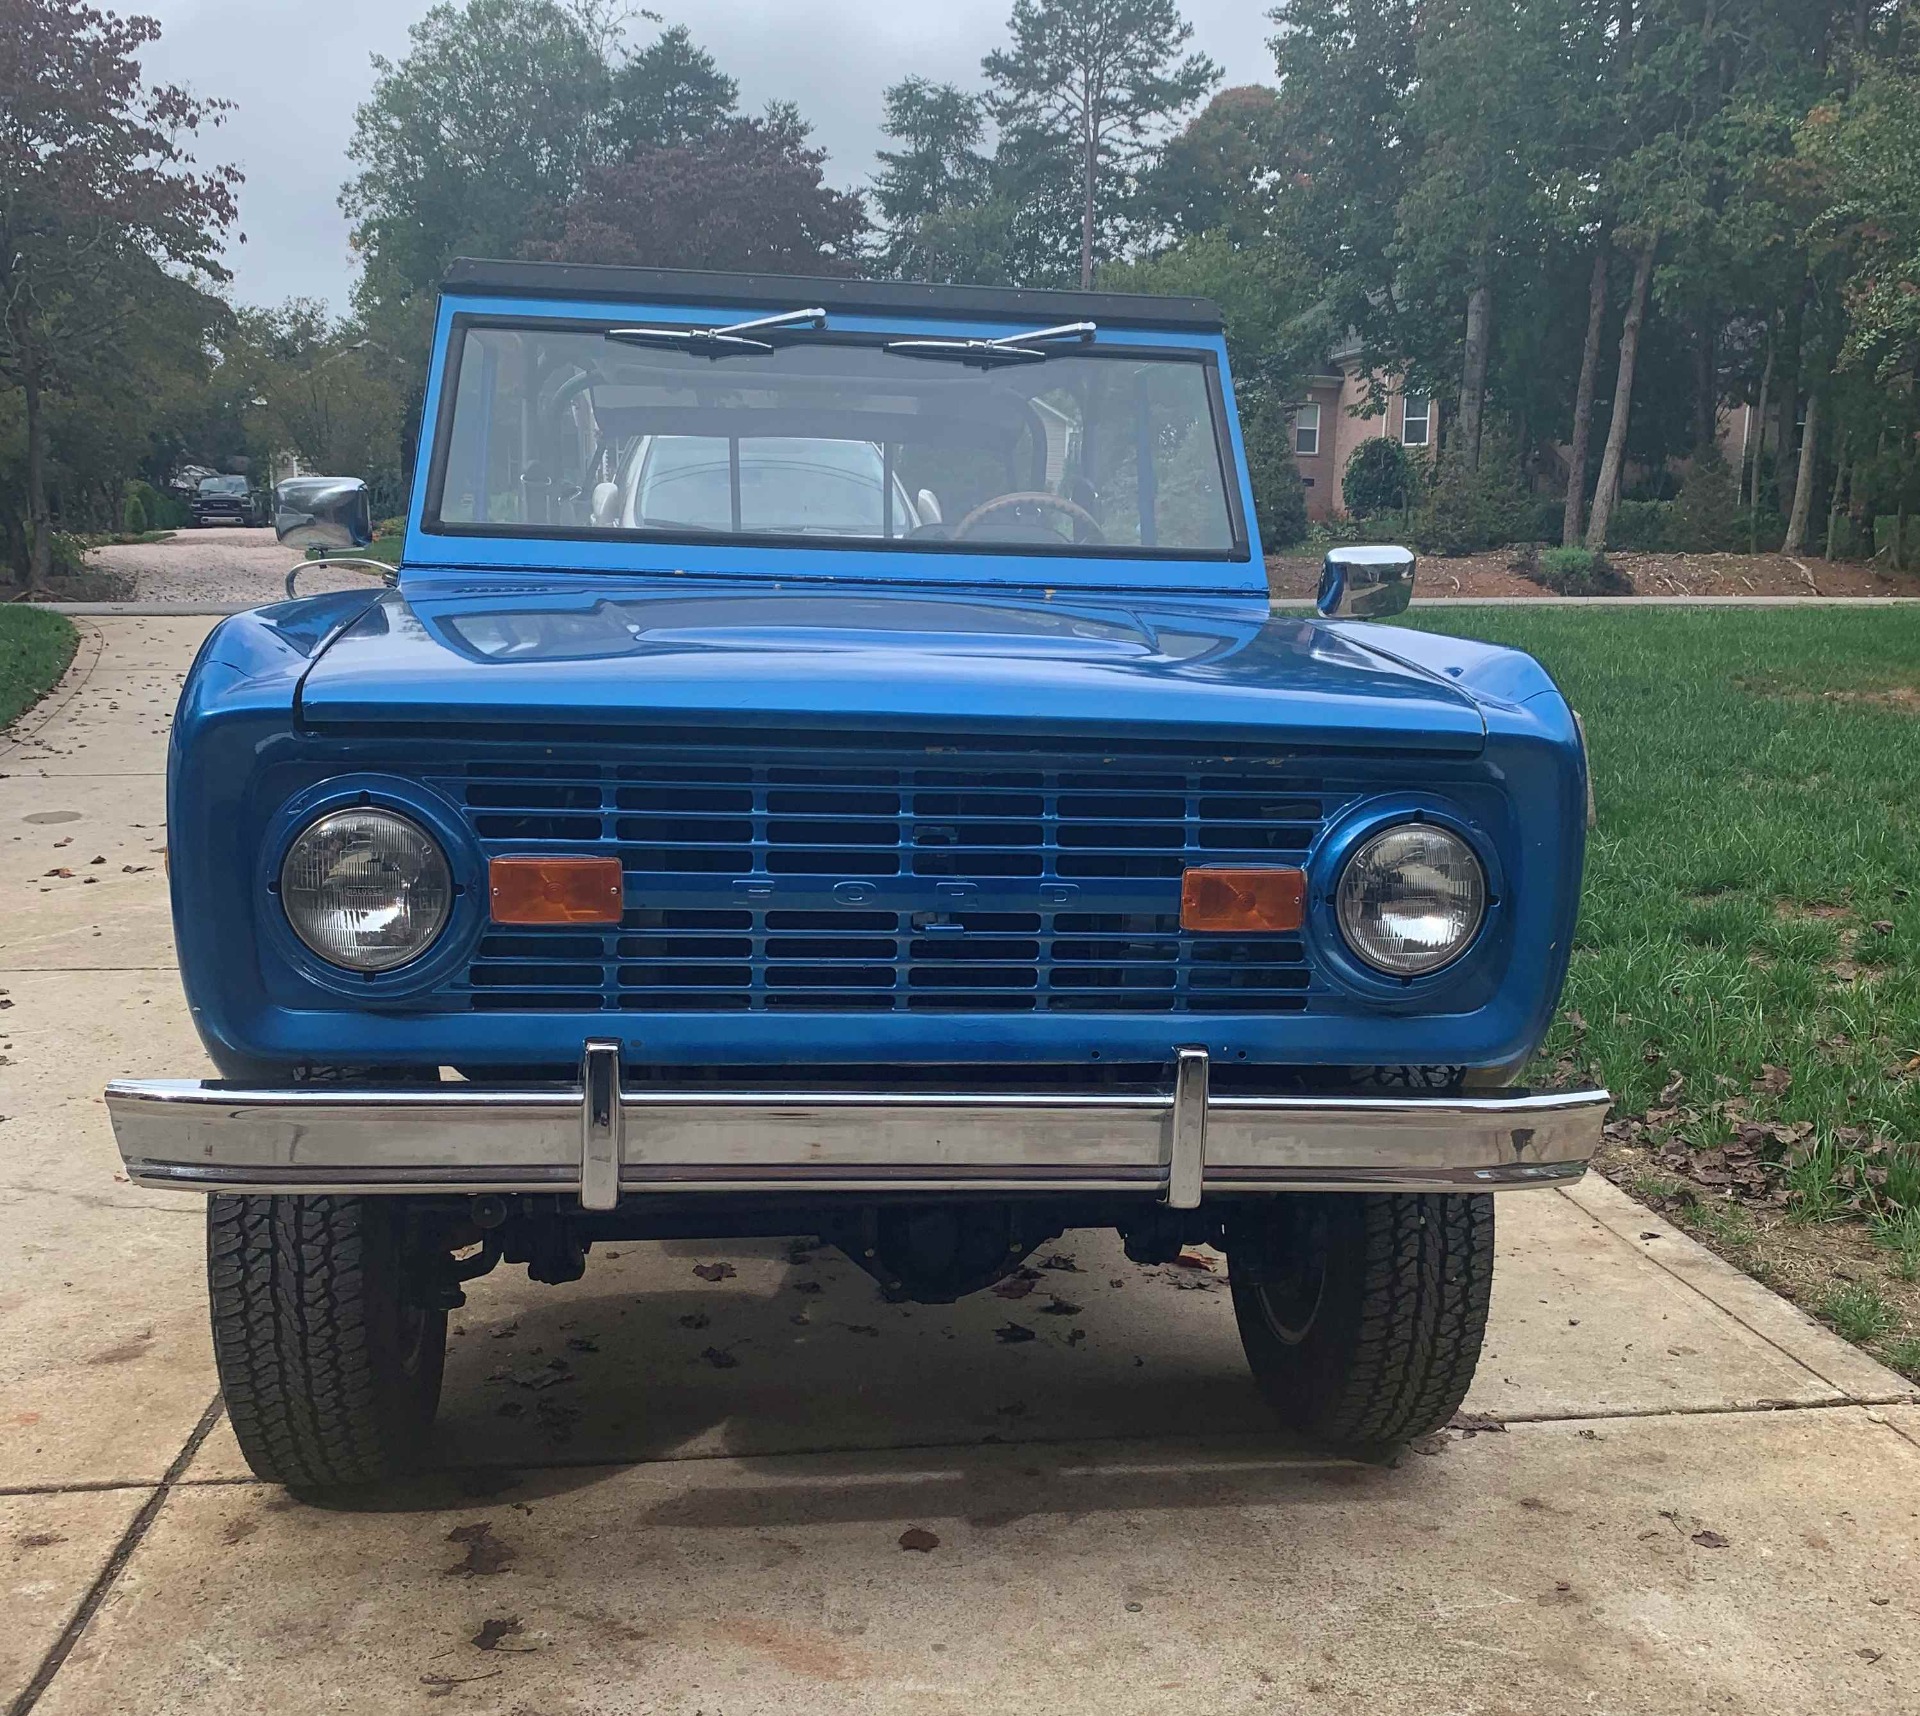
[295, 1289]
[1417, 1295]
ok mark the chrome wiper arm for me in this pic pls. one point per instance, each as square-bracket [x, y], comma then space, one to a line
[718, 342]
[1009, 348]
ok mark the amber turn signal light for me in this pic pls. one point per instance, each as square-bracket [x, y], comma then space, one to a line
[1242, 902]
[555, 890]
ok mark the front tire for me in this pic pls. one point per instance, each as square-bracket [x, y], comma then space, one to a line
[329, 1353]
[1362, 1313]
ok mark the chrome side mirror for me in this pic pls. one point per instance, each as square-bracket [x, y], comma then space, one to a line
[1366, 583]
[323, 512]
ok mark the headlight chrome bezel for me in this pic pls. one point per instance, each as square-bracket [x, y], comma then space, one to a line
[436, 871]
[1343, 906]
[293, 971]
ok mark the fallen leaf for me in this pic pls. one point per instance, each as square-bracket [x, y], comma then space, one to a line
[1773, 1080]
[1472, 1423]
[1059, 1307]
[919, 1540]
[695, 1320]
[719, 1358]
[714, 1271]
[1193, 1260]
[860, 1328]
[1012, 1334]
[580, 1344]
[1434, 1444]
[806, 1286]
[1060, 1260]
[1882, 926]
[493, 1631]
[485, 1552]
[1017, 1285]
[1672, 1090]
[1866, 1654]
[1710, 1540]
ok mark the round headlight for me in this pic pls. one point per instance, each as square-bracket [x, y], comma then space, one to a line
[1411, 898]
[366, 889]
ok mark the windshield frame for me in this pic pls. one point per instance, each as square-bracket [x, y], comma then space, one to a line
[1148, 345]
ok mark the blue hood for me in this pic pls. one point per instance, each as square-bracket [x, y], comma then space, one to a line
[453, 657]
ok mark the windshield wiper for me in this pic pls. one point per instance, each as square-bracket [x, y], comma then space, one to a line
[719, 342]
[1010, 348]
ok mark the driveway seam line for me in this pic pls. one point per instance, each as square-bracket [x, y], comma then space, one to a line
[130, 1540]
[1660, 1263]
[1624, 1415]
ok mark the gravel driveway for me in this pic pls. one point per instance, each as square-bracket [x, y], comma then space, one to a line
[221, 568]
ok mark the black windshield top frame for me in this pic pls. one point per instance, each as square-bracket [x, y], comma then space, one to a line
[462, 323]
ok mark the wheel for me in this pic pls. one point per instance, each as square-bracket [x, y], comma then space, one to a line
[1362, 1313]
[328, 1352]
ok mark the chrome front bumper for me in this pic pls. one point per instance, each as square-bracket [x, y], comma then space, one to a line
[598, 1140]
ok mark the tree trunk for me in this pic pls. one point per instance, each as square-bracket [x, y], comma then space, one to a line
[1900, 538]
[1706, 387]
[1473, 371]
[1607, 490]
[1834, 507]
[39, 532]
[1796, 542]
[1758, 451]
[1087, 165]
[1576, 510]
[1783, 450]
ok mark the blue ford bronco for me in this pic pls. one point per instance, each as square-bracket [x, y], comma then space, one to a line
[829, 767]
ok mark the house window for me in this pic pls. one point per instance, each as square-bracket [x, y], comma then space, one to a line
[1306, 430]
[1416, 422]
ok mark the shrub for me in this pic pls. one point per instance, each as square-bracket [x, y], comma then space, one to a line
[1545, 520]
[133, 514]
[1379, 478]
[1578, 572]
[1279, 497]
[1639, 524]
[1705, 516]
[1467, 511]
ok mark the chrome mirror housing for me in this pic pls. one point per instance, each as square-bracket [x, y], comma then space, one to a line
[323, 512]
[1366, 583]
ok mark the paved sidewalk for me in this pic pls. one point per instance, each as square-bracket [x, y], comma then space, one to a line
[1696, 1497]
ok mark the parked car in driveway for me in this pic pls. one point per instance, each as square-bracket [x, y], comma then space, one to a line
[830, 767]
[223, 500]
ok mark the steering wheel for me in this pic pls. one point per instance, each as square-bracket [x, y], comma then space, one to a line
[1073, 509]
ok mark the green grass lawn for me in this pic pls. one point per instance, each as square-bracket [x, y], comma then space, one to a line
[35, 647]
[1749, 946]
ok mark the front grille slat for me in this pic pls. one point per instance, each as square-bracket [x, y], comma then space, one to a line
[933, 882]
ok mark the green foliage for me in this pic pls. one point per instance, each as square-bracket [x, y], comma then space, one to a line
[133, 514]
[1578, 572]
[1705, 516]
[1468, 509]
[35, 647]
[471, 143]
[1639, 524]
[1857, 1312]
[1213, 176]
[669, 95]
[1279, 500]
[1380, 477]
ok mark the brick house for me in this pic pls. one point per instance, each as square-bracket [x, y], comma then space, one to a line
[1326, 431]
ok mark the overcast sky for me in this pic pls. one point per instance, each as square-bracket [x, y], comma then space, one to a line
[297, 71]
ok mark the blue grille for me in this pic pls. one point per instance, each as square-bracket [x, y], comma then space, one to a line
[940, 882]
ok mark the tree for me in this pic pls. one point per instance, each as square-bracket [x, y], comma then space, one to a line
[97, 193]
[935, 190]
[752, 195]
[484, 130]
[1099, 78]
[670, 95]
[1218, 175]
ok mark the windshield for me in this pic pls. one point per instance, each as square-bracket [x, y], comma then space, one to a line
[559, 430]
[223, 485]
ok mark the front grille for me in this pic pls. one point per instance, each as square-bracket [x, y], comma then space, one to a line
[929, 883]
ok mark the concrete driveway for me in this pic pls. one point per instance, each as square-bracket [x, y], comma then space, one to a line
[659, 1494]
